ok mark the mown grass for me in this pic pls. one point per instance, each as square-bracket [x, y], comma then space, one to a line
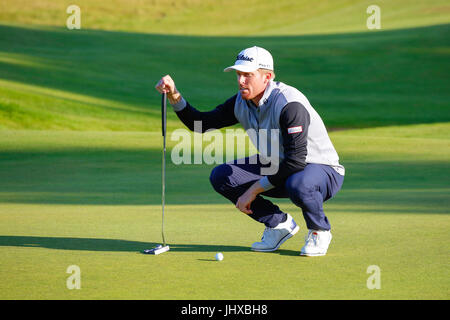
[97, 80]
[93, 199]
[227, 17]
[80, 149]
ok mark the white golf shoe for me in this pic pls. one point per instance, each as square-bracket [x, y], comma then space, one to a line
[317, 242]
[273, 238]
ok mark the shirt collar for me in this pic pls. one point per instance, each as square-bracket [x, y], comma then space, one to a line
[265, 98]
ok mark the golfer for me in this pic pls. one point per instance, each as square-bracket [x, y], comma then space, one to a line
[307, 165]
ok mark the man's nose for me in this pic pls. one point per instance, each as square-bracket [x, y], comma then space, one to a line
[241, 79]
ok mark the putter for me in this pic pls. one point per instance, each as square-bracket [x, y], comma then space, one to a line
[162, 247]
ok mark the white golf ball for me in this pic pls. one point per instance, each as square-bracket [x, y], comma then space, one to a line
[219, 256]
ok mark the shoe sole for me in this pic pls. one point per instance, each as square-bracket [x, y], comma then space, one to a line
[312, 254]
[282, 240]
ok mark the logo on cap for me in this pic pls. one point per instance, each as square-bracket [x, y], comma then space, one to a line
[243, 57]
[262, 65]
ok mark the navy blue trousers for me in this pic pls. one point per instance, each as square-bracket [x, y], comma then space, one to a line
[307, 189]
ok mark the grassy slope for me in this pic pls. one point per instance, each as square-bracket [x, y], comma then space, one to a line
[53, 78]
[228, 17]
[58, 79]
[392, 212]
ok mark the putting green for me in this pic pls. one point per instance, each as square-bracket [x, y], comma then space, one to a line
[93, 200]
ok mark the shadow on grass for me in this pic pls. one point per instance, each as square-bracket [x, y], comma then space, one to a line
[133, 177]
[115, 245]
[100, 176]
[93, 63]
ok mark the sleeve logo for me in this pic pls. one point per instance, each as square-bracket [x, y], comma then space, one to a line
[292, 130]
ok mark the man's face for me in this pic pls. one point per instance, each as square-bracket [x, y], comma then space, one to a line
[252, 84]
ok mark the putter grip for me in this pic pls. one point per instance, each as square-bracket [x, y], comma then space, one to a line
[163, 113]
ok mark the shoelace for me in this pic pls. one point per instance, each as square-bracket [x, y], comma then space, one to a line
[312, 237]
[267, 232]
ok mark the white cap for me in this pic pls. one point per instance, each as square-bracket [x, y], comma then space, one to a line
[252, 59]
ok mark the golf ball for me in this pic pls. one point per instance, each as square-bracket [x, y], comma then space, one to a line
[219, 256]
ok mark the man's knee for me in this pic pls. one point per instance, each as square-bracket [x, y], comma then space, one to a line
[219, 174]
[300, 188]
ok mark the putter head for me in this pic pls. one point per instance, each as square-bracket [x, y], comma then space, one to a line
[157, 250]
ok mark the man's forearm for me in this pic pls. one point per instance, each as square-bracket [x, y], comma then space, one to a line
[221, 116]
[256, 188]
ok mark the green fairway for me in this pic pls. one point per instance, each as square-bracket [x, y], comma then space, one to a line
[81, 149]
[227, 17]
[93, 200]
[86, 80]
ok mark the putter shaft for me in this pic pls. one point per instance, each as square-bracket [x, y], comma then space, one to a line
[164, 123]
